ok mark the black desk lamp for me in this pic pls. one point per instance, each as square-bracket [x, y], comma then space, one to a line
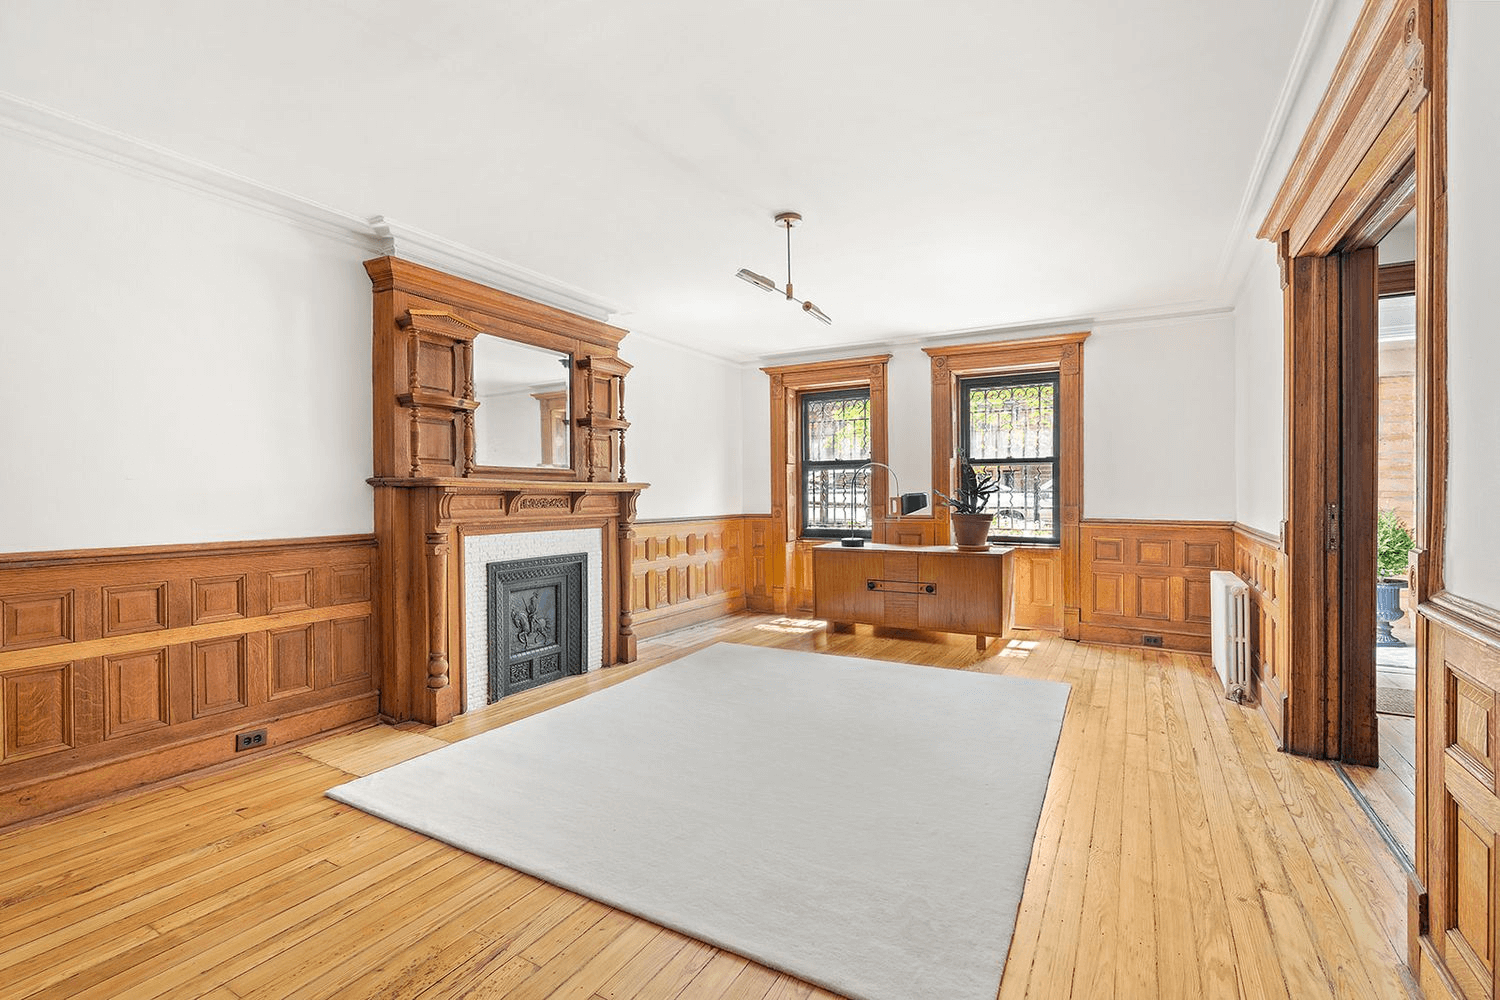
[910, 503]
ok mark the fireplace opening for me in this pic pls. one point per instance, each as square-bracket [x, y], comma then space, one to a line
[536, 621]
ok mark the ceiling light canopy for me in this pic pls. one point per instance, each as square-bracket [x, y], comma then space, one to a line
[786, 220]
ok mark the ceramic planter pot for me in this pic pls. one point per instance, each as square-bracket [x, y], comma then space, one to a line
[971, 531]
[1388, 610]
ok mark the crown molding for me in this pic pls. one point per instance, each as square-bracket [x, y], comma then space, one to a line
[59, 130]
[372, 237]
[395, 239]
[1240, 247]
[1154, 317]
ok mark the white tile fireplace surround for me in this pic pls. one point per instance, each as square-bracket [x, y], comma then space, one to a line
[479, 552]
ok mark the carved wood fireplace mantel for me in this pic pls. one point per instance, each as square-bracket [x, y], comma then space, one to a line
[423, 523]
[431, 493]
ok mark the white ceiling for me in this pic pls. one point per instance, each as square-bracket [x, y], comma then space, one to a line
[961, 164]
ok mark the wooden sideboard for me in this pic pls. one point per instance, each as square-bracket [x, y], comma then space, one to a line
[909, 586]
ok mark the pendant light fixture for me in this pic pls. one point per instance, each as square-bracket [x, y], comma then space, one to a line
[786, 220]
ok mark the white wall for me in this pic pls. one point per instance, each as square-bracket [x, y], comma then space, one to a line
[1158, 421]
[1158, 424]
[685, 432]
[1473, 556]
[175, 368]
[1259, 447]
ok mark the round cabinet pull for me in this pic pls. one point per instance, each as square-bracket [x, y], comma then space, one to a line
[930, 588]
[869, 584]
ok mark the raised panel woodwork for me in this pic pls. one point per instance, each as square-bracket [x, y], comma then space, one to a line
[1150, 578]
[1473, 887]
[28, 620]
[1471, 720]
[1037, 593]
[1109, 550]
[1154, 597]
[1202, 555]
[220, 676]
[169, 651]
[1458, 809]
[1153, 552]
[290, 667]
[1108, 594]
[136, 689]
[135, 608]
[1258, 561]
[437, 441]
[352, 650]
[218, 599]
[1199, 598]
[687, 571]
[38, 711]
[348, 584]
[289, 590]
[437, 367]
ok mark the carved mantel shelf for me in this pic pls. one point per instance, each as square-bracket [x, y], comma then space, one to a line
[463, 501]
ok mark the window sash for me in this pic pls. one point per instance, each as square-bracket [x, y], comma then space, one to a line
[1051, 462]
[860, 495]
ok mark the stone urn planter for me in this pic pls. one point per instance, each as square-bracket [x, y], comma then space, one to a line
[971, 531]
[1387, 611]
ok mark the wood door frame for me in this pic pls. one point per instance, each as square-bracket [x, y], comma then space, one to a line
[1385, 108]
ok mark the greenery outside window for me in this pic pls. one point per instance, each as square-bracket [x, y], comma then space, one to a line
[1008, 428]
[835, 446]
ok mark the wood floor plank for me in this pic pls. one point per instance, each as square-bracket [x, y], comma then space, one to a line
[1178, 854]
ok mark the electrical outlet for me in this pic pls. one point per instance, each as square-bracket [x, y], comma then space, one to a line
[249, 740]
[1150, 640]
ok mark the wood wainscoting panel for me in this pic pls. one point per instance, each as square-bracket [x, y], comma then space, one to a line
[1036, 597]
[126, 666]
[1459, 643]
[758, 533]
[687, 571]
[1259, 561]
[1150, 578]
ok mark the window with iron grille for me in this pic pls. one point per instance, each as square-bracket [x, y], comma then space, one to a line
[1008, 429]
[835, 445]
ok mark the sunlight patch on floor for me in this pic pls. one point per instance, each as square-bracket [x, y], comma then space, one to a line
[792, 626]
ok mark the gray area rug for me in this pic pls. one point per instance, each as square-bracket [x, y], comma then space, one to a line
[865, 826]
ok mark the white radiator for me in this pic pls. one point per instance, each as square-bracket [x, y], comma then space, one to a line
[1231, 632]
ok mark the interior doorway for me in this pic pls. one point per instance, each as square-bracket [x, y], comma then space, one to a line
[1388, 788]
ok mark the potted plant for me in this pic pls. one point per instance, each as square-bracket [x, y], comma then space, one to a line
[1393, 545]
[971, 523]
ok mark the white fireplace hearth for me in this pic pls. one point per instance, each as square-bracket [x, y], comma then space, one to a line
[481, 550]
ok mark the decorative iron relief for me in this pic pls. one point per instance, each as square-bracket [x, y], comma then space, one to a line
[531, 627]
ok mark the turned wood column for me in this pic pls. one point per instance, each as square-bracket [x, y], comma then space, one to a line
[437, 611]
[625, 641]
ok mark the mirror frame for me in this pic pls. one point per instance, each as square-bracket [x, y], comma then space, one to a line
[423, 377]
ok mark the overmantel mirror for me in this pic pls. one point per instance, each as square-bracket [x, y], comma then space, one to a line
[523, 416]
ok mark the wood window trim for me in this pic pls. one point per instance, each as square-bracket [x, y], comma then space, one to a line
[788, 383]
[1063, 352]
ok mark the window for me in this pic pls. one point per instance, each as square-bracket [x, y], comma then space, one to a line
[1008, 428]
[835, 445]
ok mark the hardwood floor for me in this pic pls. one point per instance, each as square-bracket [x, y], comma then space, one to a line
[1179, 855]
[1391, 788]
